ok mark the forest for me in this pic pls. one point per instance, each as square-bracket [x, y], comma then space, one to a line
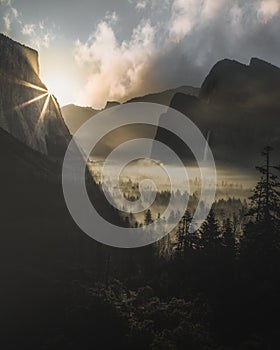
[217, 288]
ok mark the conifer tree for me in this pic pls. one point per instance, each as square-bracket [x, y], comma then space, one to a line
[209, 231]
[185, 239]
[261, 235]
[148, 218]
[229, 238]
[265, 202]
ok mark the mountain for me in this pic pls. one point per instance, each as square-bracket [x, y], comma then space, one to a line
[41, 247]
[237, 109]
[76, 116]
[27, 110]
[233, 82]
[165, 97]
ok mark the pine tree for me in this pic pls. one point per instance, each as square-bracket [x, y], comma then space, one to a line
[261, 234]
[148, 218]
[265, 202]
[185, 239]
[229, 237]
[209, 231]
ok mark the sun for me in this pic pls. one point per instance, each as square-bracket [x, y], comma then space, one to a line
[51, 92]
[60, 87]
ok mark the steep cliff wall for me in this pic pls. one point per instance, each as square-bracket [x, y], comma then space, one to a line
[20, 112]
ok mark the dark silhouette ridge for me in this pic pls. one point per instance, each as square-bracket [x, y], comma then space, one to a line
[165, 97]
[238, 107]
[231, 82]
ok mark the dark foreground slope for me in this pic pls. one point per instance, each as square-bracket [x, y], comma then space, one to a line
[40, 245]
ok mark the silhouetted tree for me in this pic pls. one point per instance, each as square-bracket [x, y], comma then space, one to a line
[185, 239]
[259, 251]
[228, 235]
[209, 231]
[148, 217]
[265, 202]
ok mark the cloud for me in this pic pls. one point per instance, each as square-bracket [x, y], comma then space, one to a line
[6, 2]
[174, 44]
[10, 15]
[211, 9]
[7, 22]
[112, 17]
[15, 12]
[37, 35]
[28, 29]
[141, 5]
[117, 68]
[183, 18]
[268, 9]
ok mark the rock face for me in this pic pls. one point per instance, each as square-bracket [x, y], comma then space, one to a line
[231, 82]
[237, 109]
[27, 111]
[165, 97]
[76, 116]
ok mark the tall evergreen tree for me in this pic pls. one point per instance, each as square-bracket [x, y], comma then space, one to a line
[261, 234]
[228, 234]
[209, 231]
[148, 218]
[265, 202]
[185, 239]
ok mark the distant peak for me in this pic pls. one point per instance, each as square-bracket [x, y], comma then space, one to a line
[257, 62]
[226, 63]
[111, 104]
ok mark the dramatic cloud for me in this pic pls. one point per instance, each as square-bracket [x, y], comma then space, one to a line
[120, 49]
[175, 44]
[117, 68]
[268, 9]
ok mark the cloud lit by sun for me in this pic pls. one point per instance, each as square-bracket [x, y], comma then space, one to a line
[160, 47]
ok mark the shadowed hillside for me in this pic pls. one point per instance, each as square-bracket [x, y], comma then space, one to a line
[237, 110]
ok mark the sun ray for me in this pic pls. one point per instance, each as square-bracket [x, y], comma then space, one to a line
[42, 115]
[56, 104]
[24, 83]
[27, 103]
[35, 87]
[39, 124]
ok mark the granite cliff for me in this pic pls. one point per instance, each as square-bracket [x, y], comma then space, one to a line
[27, 111]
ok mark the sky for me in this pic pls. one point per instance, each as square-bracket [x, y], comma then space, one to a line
[94, 51]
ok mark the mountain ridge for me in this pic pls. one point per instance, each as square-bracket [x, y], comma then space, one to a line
[75, 116]
[27, 110]
[239, 105]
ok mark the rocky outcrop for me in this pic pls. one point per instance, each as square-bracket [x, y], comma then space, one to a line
[231, 82]
[237, 110]
[27, 111]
